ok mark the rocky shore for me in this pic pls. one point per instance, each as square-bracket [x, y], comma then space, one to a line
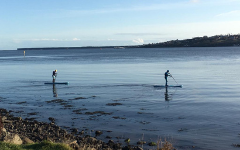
[24, 131]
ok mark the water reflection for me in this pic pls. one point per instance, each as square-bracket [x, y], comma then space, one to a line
[167, 96]
[55, 91]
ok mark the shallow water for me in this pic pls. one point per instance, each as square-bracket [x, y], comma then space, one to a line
[203, 114]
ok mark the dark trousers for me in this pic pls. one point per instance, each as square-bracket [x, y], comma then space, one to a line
[166, 81]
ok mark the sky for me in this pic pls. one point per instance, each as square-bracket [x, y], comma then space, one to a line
[76, 23]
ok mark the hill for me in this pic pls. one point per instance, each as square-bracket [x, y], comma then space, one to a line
[205, 41]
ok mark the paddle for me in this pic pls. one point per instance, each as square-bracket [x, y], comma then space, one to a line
[173, 78]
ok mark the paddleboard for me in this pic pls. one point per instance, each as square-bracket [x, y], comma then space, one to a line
[161, 86]
[56, 83]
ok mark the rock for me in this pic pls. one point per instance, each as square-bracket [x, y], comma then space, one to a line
[110, 142]
[236, 145]
[152, 144]
[74, 130]
[74, 146]
[26, 140]
[91, 140]
[82, 132]
[13, 139]
[108, 137]
[3, 133]
[72, 143]
[4, 118]
[69, 142]
[17, 118]
[3, 111]
[127, 140]
[18, 131]
[141, 142]
[51, 119]
[113, 104]
[98, 133]
[7, 121]
[138, 148]
[3, 130]
[132, 148]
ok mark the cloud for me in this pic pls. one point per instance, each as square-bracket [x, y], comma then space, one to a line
[230, 14]
[139, 41]
[76, 39]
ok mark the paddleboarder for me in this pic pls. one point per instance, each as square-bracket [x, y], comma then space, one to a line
[54, 75]
[166, 76]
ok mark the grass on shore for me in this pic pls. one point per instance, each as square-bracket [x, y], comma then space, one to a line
[45, 145]
[164, 145]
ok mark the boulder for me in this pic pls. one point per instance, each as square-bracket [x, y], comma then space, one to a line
[3, 133]
[26, 140]
[3, 119]
[74, 145]
[98, 133]
[12, 138]
[51, 119]
[91, 140]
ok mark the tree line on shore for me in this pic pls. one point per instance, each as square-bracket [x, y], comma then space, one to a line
[205, 41]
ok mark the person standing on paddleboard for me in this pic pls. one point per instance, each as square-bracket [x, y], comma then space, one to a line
[166, 76]
[54, 75]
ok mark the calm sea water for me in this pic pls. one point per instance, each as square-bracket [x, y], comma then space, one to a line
[204, 113]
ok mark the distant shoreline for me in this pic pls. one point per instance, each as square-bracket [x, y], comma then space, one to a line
[205, 41]
[51, 48]
[68, 48]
